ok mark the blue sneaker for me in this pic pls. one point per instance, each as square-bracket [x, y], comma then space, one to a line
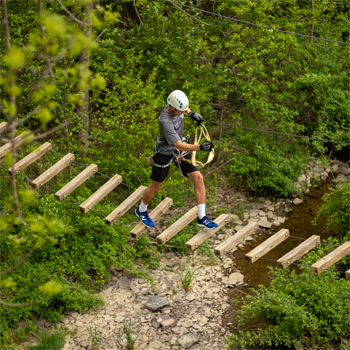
[206, 222]
[145, 218]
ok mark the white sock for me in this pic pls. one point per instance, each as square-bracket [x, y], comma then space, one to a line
[143, 207]
[201, 210]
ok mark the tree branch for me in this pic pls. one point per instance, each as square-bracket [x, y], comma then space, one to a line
[21, 305]
[187, 14]
[72, 16]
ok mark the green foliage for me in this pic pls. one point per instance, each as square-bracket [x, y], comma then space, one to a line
[54, 341]
[128, 340]
[95, 335]
[187, 277]
[304, 309]
[336, 210]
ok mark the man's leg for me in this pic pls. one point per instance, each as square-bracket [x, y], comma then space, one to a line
[199, 191]
[199, 187]
[141, 210]
[151, 191]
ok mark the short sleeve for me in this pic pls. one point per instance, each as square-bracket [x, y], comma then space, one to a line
[170, 132]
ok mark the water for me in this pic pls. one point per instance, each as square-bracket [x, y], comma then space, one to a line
[299, 224]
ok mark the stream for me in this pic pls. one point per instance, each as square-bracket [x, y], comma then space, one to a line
[299, 224]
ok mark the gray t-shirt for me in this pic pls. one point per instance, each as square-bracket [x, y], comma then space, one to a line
[171, 129]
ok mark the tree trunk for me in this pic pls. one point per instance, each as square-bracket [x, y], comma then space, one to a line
[84, 108]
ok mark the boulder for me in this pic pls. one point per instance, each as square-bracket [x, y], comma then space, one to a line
[188, 340]
[235, 279]
[343, 169]
[151, 302]
[264, 223]
[123, 282]
[297, 201]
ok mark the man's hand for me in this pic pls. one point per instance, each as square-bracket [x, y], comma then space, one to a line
[196, 117]
[206, 146]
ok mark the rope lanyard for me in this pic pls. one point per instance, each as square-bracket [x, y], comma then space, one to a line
[203, 133]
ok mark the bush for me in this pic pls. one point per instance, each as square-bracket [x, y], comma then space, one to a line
[308, 310]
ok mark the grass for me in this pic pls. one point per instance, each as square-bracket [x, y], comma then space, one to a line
[53, 341]
[95, 337]
[129, 339]
[187, 277]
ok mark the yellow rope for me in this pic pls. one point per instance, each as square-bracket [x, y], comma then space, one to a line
[197, 163]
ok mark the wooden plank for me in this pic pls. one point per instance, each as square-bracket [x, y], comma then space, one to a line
[125, 206]
[298, 251]
[101, 193]
[236, 239]
[156, 213]
[347, 275]
[2, 126]
[268, 245]
[204, 234]
[31, 157]
[8, 146]
[330, 259]
[177, 226]
[76, 182]
[54, 170]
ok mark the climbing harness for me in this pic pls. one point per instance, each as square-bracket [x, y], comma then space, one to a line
[179, 156]
[193, 161]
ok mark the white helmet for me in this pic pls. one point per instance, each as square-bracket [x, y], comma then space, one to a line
[178, 100]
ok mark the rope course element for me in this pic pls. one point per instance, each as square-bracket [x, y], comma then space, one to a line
[175, 240]
[256, 25]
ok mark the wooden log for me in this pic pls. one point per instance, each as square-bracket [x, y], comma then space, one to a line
[8, 146]
[54, 170]
[31, 157]
[268, 245]
[76, 182]
[156, 213]
[2, 126]
[177, 226]
[236, 239]
[347, 275]
[204, 234]
[298, 251]
[125, 206]
[101, 193]
[330, 259]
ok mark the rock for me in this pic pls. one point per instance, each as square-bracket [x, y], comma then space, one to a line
[276, 223]
[262, 213]
[343, 169]
[170, 322]
[190, 297]
[188, 340]
[235, 278]
[163, 338]
[269, 214]
[41, 323]
[267, 202]
[155, 323]
[297, 201]
[203, 321]
[123, 282]
[254, 212]
[85, 344]
[151, 302]
[264, 223]
[252, 220]
[156, 345]
[249, 238]
[301, 178]
[340, 178]
[282, 220]
[48, 324]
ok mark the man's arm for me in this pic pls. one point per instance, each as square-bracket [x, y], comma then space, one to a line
[182, 146]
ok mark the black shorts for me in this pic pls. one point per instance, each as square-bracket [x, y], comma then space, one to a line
[159, 174]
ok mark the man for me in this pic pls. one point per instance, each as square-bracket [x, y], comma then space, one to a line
[170, 140]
